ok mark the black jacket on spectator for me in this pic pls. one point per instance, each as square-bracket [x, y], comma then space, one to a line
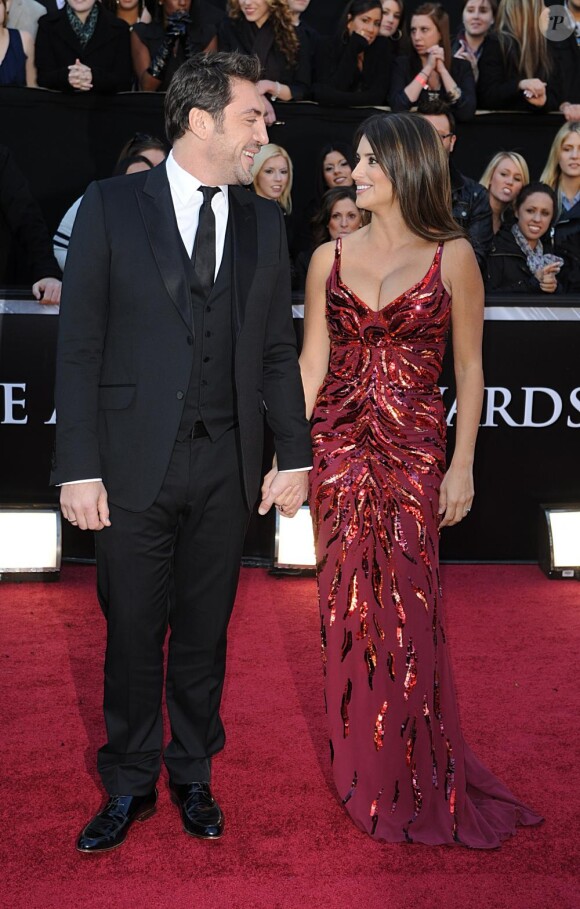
[567, 245]
[507, 268]
[245, 37]
[108, 53]
[497, 86]
[403, 73]
[471, 209]
[341, 83]
[25, 244]
[309, 39]
[203, 28]
[566, 60]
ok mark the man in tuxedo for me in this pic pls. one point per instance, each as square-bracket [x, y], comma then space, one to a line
[175, 338]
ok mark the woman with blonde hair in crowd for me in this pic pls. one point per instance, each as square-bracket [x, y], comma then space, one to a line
[515, 66]
[504, 177]
[266, 28]
[430, 70]
[562, 174]
[272, 172]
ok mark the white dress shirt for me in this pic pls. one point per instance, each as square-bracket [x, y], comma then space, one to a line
[187, 202]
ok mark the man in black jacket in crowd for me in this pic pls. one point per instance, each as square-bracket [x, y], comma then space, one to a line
[470, 206]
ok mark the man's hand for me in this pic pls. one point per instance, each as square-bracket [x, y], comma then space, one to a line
[286, 490]
[85, 505]
[47, 291]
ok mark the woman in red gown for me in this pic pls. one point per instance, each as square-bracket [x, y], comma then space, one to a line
[378, 310]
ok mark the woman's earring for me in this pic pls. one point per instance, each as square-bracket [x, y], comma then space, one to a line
[397, 35]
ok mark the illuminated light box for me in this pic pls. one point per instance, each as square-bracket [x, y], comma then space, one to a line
[30, 543]
[295, 541]
[559, 540]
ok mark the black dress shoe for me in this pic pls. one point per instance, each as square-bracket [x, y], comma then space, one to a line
[200, 813]
[110, 826]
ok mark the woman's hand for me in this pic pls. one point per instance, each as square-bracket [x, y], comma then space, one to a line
[80, 76]
[435, 60]
[534, 91]
[547, 278]
[571, 112]
[455, 496]
[269, 112]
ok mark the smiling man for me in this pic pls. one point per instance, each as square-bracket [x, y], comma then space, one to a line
[175, 338]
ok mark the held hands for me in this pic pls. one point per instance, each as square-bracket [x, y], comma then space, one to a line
[80, 76]
[47, 291]
[455, 496]
[287, 491]
[85, 505]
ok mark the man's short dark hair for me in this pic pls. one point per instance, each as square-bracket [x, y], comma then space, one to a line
[205, 81]
[435, 107]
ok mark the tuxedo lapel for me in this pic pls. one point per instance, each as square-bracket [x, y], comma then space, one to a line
[245, 250]
[159, 217]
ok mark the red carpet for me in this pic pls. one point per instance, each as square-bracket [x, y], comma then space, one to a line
[515, 642]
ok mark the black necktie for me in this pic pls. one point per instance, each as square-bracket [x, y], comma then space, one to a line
[203, 254]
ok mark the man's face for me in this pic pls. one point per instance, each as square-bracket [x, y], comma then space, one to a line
[441, 124]
[240, 136]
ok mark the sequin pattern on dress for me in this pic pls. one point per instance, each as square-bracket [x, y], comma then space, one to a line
[378, 431]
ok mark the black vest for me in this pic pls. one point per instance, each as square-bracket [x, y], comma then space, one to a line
[210, 394]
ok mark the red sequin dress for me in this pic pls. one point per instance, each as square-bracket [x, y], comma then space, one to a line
[401, 767]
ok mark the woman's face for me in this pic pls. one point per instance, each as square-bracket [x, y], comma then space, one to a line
[336, 170]
[477, 17]
[535, 216]
[81, 7]
[273, 177]
[391, 18]
[506, 181]
[374, 190]
[366, 24]
[255, 10]
[424, 34]
[176, 6]
[344, 219]
[569, 158]
[128, 5]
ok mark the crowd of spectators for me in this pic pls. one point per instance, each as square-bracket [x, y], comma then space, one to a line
[500, 58]
[526, 236]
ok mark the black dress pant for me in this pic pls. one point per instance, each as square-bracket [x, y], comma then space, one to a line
[176, 563]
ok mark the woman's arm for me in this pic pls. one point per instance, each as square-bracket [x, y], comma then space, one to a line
[28, 47]
[404, 90]
[462, 277]
[461, 77]
[141, 63]
[316, 347]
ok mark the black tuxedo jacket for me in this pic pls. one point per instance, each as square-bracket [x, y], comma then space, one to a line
[125, 339]
[108, 53]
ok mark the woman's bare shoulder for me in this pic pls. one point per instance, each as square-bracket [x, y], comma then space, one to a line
[323, 257]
